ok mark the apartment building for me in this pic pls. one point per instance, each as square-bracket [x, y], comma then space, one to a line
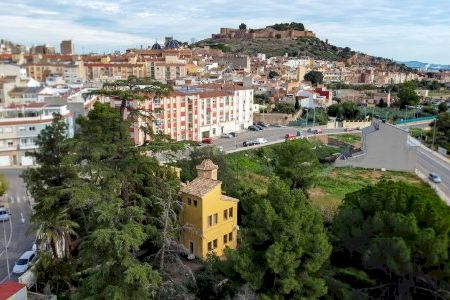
[70, 72]
[21, 124]
[193, 113]
[210, 218]
[103, 72]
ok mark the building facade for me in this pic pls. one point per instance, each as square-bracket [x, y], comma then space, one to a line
[20, 126]
[194, 113]
[208, 216]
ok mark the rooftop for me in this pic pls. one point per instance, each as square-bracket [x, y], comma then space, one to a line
[200, 186]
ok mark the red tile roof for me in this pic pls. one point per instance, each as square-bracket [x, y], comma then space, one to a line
[10, 288]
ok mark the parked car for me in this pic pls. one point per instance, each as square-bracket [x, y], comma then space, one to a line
[310, 130]
[207, 141]
[260, 141]
[434, 177]
[317, 131]
[253, 128]
[290, 136]
[226, 135]
[4, 214]
[259, 127]
[248, 143]
[234, 134]
[262, 124]
[349, 129]
[24, 262]
[299, 132]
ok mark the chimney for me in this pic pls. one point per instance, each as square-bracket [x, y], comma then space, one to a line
[207, 169]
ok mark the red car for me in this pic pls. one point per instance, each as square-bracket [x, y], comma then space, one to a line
[207, 141]
[290, 136]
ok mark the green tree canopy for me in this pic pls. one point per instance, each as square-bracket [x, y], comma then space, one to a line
[396, 232]
[296, 163]
[273, 74]
[284, 245]
[242, 26]
[407, 95]
[344, 111]
[4, 184]
[315, 77]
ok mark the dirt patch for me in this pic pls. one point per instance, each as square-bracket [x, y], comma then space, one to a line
[332, 174]
[316, 192]
[373, 175]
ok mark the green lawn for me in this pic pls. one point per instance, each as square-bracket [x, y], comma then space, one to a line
[253, 169]
[335, 183]
[348, 138]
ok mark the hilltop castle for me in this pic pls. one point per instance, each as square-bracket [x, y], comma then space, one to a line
[263, 34]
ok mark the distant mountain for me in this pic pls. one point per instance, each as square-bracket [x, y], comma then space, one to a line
[417, 65]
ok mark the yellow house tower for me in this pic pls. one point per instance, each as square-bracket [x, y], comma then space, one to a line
[211, 217]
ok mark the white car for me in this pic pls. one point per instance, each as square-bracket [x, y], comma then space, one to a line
[226, 135]
[4, 214]
[260, 141]
[24, 262]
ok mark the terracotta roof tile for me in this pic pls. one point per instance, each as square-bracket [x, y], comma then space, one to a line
[200, 186]
[207, 164]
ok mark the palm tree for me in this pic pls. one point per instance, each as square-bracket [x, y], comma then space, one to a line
[132, 89]
[54, 230]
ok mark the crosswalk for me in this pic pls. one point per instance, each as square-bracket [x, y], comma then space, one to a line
[12, 199]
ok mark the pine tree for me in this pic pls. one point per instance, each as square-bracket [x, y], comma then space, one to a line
[284, 245]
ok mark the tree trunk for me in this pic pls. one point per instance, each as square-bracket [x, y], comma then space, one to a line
[123, 106]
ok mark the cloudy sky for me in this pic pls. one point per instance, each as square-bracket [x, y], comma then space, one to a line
[398, 29]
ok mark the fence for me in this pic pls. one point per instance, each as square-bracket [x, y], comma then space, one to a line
[430, 118]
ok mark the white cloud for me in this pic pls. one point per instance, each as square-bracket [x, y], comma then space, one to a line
[402, 29]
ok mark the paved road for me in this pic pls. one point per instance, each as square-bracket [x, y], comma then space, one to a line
[17, 237]
[271, 134]
[428, 162]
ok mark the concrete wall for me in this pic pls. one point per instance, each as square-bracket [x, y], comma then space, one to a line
[384, 146]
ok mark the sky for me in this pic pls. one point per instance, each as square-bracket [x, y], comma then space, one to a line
[400, 29]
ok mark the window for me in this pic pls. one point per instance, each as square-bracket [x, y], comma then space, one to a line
[225, 214]
[230, 212]
[215, 244]
[189, 201]
[215, 219]
[230, 236]
[31, 128]
[10, 143]
[195, 203]
[21, 129]
[210, 246]
[225, 238]
[210, 223]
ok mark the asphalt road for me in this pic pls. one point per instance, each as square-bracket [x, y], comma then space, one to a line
[271, 134]
[428, 162]
[16, 233]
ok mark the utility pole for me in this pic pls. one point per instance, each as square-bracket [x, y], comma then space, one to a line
[314, 116]
[434, 134]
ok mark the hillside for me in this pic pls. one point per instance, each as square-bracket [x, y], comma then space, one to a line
[301, 46]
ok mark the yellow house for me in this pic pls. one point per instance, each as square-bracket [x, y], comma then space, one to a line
[210, 218]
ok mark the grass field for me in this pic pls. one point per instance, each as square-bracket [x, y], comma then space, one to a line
[335, 183]
[348, 138]
[253, 169]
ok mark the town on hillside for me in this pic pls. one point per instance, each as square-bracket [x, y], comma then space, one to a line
[259, 163]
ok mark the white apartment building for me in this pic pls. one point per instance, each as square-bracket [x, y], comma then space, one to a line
[19, 127]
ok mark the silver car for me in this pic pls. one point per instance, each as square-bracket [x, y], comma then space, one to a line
[4, 214]
[434, 177]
